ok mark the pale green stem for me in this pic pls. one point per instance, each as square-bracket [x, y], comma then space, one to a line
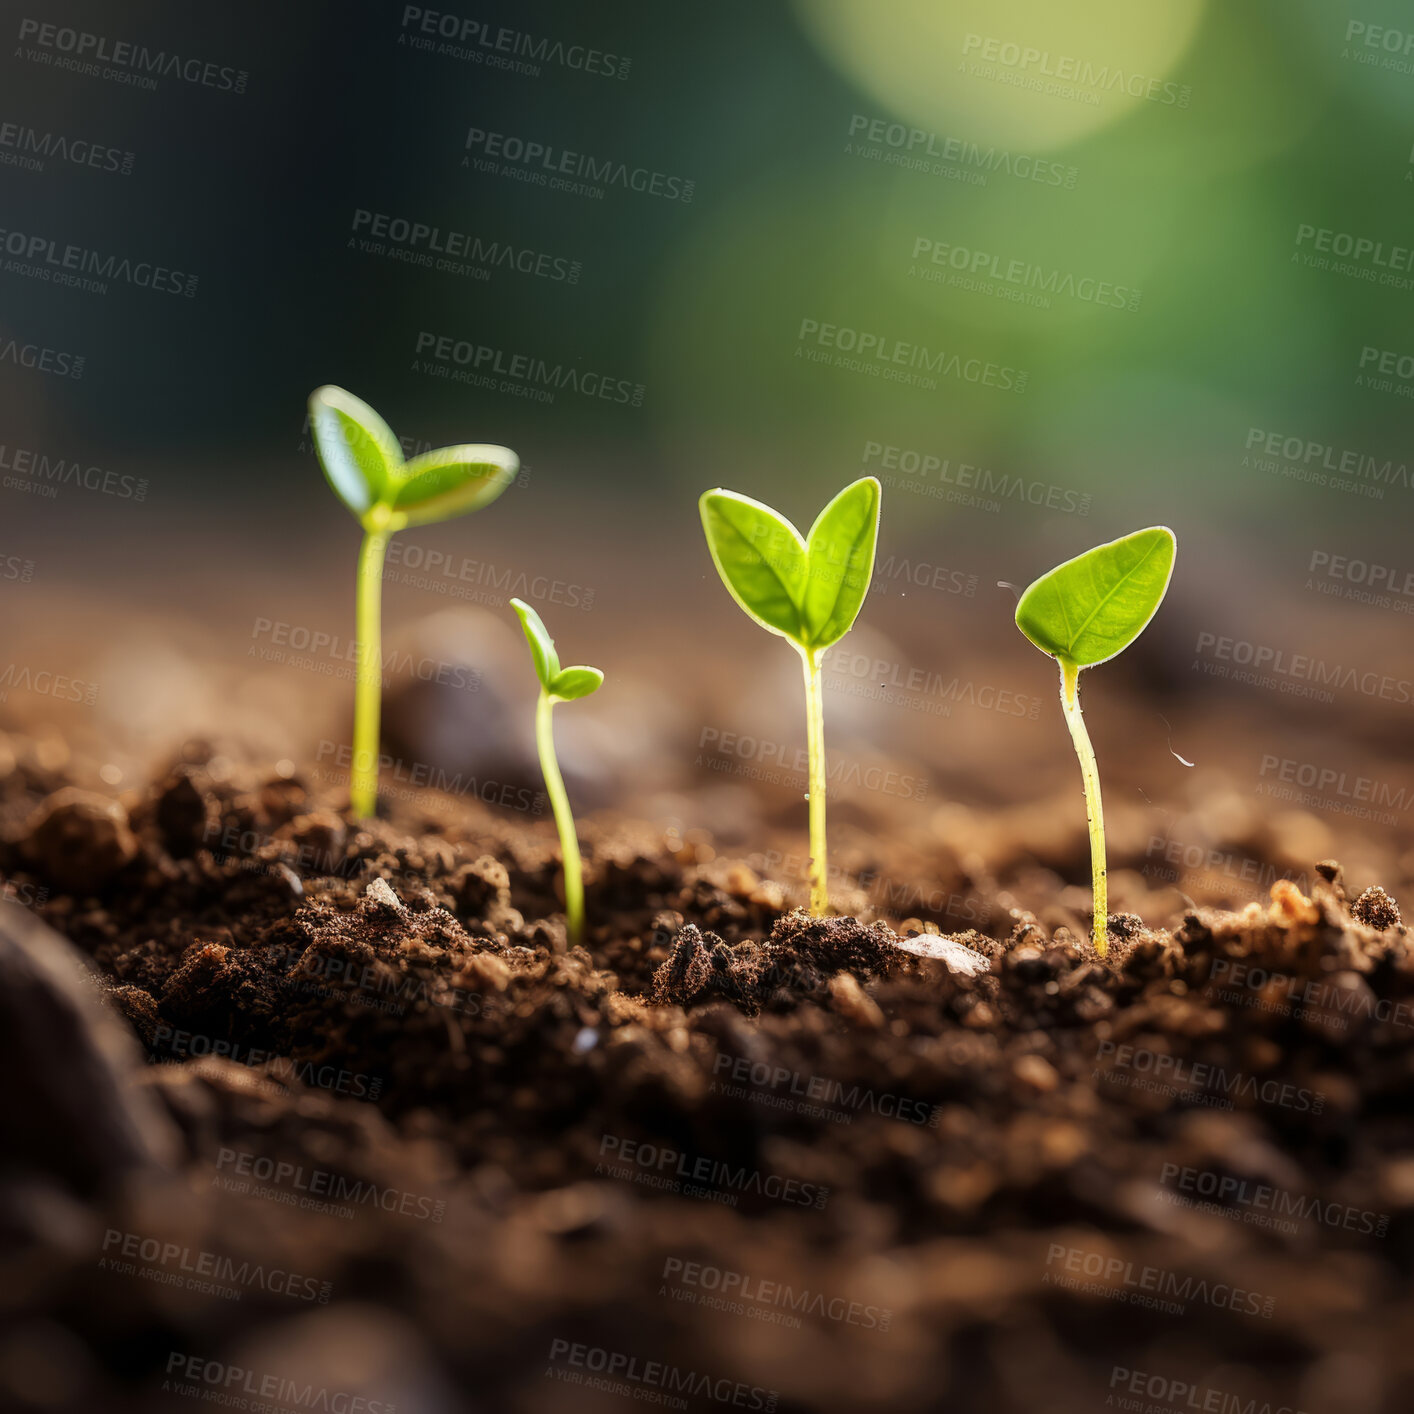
[1094, 814]
[368, 684]
[564, 821]
[815, 737]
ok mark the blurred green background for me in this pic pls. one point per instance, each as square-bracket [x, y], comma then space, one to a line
[1140, 263]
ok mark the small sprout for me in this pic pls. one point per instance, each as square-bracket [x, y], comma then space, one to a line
[1084, 612]
[558, 684]
[364, 464]
[806, 589]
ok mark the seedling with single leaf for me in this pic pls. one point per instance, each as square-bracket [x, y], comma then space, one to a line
[1084, 612]
[558, 684]
[807, 590]
[364, 464]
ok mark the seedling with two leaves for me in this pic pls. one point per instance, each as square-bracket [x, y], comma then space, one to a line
[806, 589]
[1083, 612]
[558, 684]
[364, 464]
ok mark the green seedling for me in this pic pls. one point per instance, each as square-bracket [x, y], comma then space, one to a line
[1084, 612]
[805, 589]
[558, 684]
[364, 464]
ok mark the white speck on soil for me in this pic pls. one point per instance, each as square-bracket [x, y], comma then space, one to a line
[958, 958]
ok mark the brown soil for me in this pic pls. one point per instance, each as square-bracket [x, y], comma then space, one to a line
[722, 1154]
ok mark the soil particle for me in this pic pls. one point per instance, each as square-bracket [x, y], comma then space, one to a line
[71, 1109]
[80, 841]
[850, 1000]
[181, 814]
[831, 944]
[688, 970]
[1376, 909]
[482, 890]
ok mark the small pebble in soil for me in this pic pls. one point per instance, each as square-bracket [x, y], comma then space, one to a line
[1376, 909]
[380, 892]
[81, 841]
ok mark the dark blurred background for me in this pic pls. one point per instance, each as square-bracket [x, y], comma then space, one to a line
[1137, 264]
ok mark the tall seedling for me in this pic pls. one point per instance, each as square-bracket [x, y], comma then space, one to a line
[807, 590]
[364, 464]
[1084, 612]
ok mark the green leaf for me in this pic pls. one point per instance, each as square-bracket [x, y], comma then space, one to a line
[542, 646]
[452, 481]
[356, 448]
[760, 557]
[807, 591]
[575, 682]
[1094, 606]
[841, 551]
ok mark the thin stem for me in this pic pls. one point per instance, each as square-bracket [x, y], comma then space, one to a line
[815, 736]
[1094, 813]
[368, 683]
[564, 821]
